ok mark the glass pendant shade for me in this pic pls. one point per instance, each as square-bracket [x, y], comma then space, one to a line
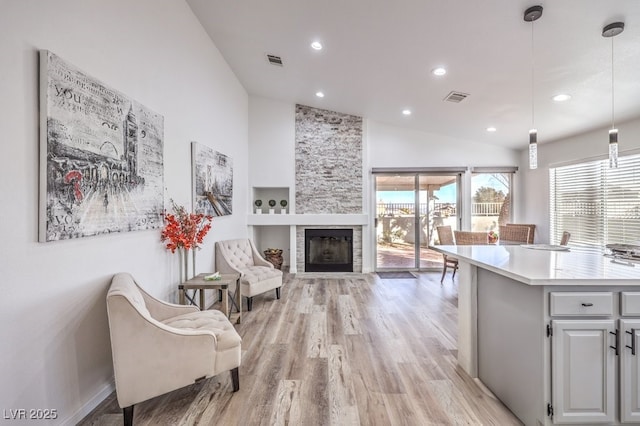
[530, 15]
[610, 31]
[533, 149]
[613, 148]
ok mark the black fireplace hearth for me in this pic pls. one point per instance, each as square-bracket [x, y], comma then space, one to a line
[328, 250]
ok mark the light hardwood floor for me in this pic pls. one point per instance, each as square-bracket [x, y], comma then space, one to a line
[349, 350]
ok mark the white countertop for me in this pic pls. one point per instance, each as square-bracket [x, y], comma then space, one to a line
[579, 266]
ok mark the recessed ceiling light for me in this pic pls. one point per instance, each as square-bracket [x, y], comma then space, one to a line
[491, 129]
[320, 94]
[561, 97]
[406, 111]
[439, 71]
[316, 45]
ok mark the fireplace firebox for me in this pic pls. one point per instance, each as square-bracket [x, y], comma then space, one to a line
[328, 250]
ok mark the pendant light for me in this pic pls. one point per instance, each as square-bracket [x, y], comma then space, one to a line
[530, 15]
[611, 31]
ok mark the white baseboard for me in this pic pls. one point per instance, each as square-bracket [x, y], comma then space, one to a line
[91, 404]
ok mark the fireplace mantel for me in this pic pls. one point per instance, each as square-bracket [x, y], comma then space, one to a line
[308, 219]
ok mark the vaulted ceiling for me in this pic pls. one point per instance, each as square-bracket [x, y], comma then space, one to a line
[378, 56]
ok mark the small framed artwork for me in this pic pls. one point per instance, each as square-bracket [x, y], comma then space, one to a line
[212, 181]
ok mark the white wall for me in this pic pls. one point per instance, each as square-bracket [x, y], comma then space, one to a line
[54, 335]
[588, 146]
[272, 165]
[271, 144]
[391, 146]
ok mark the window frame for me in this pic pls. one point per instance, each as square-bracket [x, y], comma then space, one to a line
[605, 205]
[510, 171]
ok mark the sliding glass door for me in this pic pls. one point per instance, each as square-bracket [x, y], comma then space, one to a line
[409, 207]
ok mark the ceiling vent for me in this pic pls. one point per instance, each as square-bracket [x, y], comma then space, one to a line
[274, 60]
[456, 97]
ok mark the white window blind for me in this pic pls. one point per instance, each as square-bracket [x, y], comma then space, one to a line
[596, 204]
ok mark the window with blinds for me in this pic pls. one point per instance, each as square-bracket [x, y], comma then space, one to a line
[596, 204]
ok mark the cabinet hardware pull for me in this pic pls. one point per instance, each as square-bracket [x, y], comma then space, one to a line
[617, 342]
[587, 304]
[633, 341]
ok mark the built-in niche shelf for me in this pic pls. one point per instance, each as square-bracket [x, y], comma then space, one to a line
[270, 193]
[279, 230]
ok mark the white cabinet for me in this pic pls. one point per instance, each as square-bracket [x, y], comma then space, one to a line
[597, 303]
[630, 371]
[595, 363]
[583, 369]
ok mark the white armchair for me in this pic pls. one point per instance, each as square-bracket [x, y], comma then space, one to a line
[256, 274]
[158, 347]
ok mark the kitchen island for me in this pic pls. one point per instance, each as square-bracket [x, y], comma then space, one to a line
[553, 334]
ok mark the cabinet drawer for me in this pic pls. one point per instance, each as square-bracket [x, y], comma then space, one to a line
[630, 303]
[581, 303]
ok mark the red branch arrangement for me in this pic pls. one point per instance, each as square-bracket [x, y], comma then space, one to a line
[184, 230]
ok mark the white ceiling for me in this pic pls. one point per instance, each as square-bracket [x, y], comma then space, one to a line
[378, 56]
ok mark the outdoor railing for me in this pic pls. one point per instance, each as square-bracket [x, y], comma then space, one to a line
[396, 209]
[443, 209]
[485, 209]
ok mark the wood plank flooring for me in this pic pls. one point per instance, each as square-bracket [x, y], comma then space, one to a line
[346, 350]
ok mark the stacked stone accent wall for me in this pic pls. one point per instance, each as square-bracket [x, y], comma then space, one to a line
[328, 171]
[328, 162]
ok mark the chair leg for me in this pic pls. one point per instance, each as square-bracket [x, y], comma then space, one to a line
[249, 303]
[219, 295]
[278, 293]
[454, 273]
[128, 415]
[444, 271]
[235, 379]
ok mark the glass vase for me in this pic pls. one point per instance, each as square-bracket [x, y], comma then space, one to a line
[185, 254]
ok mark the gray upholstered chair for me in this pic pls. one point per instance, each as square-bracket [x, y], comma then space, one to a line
[159, 347]
[256, 274]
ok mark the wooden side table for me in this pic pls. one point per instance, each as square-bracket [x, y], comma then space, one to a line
[199, 284]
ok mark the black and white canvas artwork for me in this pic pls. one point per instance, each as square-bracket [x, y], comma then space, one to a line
[212, 181]
[101, 157]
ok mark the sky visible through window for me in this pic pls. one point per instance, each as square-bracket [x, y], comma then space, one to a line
[446, 194]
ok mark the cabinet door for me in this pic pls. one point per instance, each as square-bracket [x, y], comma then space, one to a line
[583, 371]
[630, 371]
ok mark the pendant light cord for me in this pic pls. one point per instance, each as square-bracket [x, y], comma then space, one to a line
[613, 126]
[532, 78]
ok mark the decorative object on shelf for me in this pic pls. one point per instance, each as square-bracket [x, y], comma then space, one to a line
[274, 256]
[611, 31]
[492, 237]
[530, 15]
[212, 181]
[283, 204]
[184, 231]
[213, 277]
[258, 204]
[101, 162]
[272, 204]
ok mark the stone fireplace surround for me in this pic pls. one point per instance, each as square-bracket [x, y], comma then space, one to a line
[297, 223]
[329, 175]
[357, 245]
[328, 184]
